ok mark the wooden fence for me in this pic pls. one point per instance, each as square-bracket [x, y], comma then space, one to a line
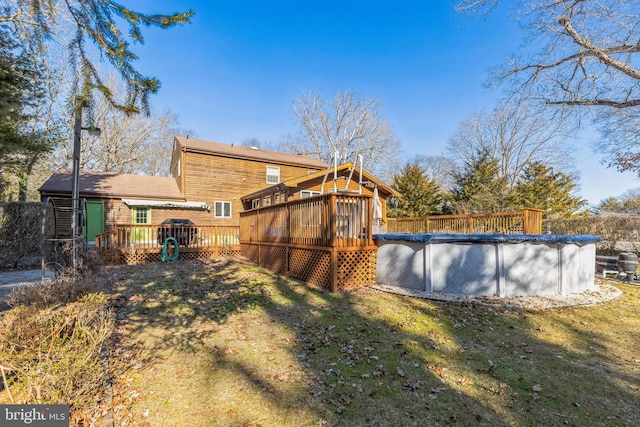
[324, 240]
[527, 221]
[141, 243]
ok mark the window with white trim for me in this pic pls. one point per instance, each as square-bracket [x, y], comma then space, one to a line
[273, 174]
[222, 210]
[308, 193]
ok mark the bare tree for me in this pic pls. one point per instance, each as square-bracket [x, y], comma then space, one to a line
[127, 143]
[620, 138]
[515, 136]
[441, 169]
[583, 54]
[350, 126]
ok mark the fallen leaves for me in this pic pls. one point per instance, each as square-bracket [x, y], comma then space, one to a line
[411, 385]
[379, 371]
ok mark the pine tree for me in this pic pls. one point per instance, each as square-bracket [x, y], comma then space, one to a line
[95, 23]
[420, 195]
[479, 187]
[20, 92]
[540, 187]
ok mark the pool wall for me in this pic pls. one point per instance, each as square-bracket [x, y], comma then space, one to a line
[503, 265]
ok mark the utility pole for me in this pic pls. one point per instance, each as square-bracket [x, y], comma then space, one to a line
[75, 190]
[75, 193]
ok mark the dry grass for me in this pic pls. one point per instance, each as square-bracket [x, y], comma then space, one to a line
[226, 343]
[52, 343]
[62, 290]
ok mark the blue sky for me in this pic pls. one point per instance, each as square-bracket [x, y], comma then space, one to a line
[234, 72]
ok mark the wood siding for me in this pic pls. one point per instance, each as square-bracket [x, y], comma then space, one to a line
[176, 167]
[209, 178]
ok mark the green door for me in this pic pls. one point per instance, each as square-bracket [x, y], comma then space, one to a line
[95, 220]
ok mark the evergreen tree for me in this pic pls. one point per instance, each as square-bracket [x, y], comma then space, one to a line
[610, 204]
[480, 188]
[419, 195]
[94, 23]
[20, 92]
[540, 187]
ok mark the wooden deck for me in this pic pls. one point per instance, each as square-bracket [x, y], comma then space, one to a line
[527, 221]
[141, 243]
[325, 240]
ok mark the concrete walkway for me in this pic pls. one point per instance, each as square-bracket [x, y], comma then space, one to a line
[11, 279]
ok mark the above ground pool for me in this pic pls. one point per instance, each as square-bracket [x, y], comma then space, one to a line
[487, 264]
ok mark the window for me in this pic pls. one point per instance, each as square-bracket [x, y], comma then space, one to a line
[222, 210]
[141, 215]
[308, 193]
[255, 203]
[273, 175]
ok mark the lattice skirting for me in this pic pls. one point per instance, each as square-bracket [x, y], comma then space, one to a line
[250, 251]
[311, 265]
[140, 257]
[274, 258]
[355, 268]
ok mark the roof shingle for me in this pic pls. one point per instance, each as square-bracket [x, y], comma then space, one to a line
[109, 184]
[249, 153]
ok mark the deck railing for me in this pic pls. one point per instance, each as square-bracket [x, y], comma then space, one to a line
[330, 220]
[527, 221]
[127, 240]
[326, 240]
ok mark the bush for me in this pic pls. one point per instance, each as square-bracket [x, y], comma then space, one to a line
[619, 232]
[20, 232]
[53, 355]
[62, 290]
[53, 342]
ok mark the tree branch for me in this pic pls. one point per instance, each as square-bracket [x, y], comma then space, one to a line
[598, 102]
[601, 54]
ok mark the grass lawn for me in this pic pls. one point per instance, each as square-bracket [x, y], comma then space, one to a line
[227, 343]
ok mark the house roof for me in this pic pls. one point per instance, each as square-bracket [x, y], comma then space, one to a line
[109, 184]
[293, 183]
[248, 153]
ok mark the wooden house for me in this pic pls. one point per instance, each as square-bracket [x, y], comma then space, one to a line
[207, 182]
[220, 174]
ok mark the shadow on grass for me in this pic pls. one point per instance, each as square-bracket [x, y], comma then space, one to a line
[259, 349]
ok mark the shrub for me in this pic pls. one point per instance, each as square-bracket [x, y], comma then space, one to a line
[53, 342]
[62, 290]
[20, 231]
[53, 354]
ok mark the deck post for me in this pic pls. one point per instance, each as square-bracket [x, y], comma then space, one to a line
[333, 285]
[332, 220]
[216, 244]
[369, 225]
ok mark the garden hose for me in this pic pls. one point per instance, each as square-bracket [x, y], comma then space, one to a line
[165, 256]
